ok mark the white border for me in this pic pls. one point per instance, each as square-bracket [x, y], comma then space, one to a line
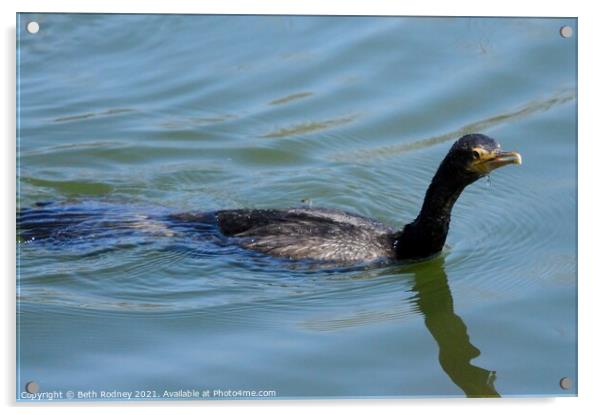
[590, 231]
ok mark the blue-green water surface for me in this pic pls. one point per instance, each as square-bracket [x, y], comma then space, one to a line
[170, 113]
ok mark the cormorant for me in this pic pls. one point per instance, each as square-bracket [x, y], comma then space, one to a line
[341, 237]
[316, 234]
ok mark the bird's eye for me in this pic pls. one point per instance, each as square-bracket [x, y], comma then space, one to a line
[475, 155]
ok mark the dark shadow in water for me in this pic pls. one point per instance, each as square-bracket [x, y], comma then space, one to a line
[434, 300]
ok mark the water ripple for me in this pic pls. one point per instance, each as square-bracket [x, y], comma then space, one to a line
[79, 117]
[291, 97]
[545, 104]
[311, 126]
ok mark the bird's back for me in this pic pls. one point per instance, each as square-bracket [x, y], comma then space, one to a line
[304, 233]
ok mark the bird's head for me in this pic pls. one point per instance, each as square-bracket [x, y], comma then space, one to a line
[470, 158]
[476, 155]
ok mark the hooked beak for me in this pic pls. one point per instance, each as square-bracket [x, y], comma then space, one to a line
[495, 160]
[504, 158]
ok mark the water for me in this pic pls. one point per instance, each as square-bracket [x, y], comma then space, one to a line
[150, 114]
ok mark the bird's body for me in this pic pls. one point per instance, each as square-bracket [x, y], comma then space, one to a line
[337, 236]
[306, 233]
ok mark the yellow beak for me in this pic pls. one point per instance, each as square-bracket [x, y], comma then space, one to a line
[494, 160]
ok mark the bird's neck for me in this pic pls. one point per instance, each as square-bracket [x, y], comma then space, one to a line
[426, 235]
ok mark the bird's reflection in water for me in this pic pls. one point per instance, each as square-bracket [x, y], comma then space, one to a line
[434, 300]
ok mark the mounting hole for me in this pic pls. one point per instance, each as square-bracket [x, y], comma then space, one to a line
[32, 387]
[33, 27]
[566, 31]
[565, 383]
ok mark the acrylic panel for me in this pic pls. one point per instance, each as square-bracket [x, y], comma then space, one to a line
[292, 207]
